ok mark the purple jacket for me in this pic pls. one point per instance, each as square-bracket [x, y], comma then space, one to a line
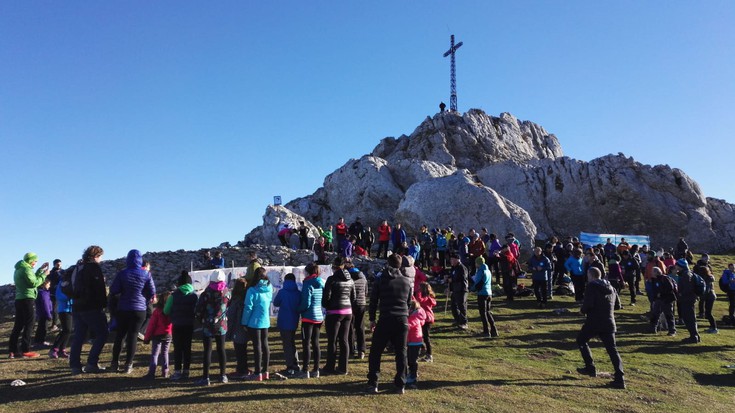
[134, 284]
[43, 304]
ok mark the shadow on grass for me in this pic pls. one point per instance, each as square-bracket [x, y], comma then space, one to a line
[723, 379]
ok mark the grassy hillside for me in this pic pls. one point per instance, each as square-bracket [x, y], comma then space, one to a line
[530, 367]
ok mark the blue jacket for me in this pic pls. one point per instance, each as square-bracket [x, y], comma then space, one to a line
[134, 284]
[574, 266]
[288, 300]
[256, 311]
[310, 306]
[44, 309]
[441, 243]
[398, 236]
[63, 303]
[483, 281]
[544, 263]
[414, 251]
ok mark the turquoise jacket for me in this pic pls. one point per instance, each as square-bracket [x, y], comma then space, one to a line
[482, 279]
[26, 281]
[256, 311]
[310, 307]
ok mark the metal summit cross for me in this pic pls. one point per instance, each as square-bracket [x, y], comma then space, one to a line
[453, 80]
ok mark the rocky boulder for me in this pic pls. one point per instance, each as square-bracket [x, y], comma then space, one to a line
[458, 200]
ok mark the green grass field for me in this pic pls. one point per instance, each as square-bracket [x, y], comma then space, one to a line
[530, 367]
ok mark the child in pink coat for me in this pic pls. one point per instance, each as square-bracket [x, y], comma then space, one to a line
[159, 333]
[416, 319]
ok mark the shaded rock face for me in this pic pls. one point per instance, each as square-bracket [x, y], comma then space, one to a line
[611, 194]
[475, 170]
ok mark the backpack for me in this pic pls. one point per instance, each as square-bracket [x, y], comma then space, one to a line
[69, 281]
[668, 289]
[698, 284]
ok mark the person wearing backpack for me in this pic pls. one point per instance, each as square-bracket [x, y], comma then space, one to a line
[688, 287]
[663, 291]
[727, 285]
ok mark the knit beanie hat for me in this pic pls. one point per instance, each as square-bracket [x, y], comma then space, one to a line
[681, 262]
[217, 276]
[30, 257]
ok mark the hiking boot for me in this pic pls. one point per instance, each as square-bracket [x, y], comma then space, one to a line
[150, 376]
[314, 374]
[223, 379]
[691, 340]
[587, 371]
[361, 355]
[53, 353]
[94, 369]
[399, 390]
[63, 354]
[176, 376]
[11, 355]
[128, 369]
[371, 388]
[428, 359]
[75, 371]
[712, 331]
[462, 326]
[617, 384]
[672, 334]
[204, 381]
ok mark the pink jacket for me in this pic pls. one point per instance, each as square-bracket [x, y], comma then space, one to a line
[415, 321]
[158, 325]
[420, 278]
[427, 304]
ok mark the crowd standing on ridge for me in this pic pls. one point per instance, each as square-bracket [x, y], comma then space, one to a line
[399, 302]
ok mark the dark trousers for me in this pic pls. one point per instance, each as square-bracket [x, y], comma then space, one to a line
[488, 322]
[442, 258]
[382, 246]
[459, 307]
[541, 290]
[303, 243]
[616, 285]
[22, 327]
[261, 350]
[667, 309]
[290, 354]
[579, 284]
[608, 339]
[54, 314]
[338, 329]
[310, 342]
[413, 362]
[62, 340]
[731, 308]
[394, 330]
[426, 331]
[128, 325]
[630, 279]
[357, 329]
[686, 312]
[241, 357]
[221, 354]
[94, 321]
[41, 327]
[508, 285]
[182, 336]
[708, 304]
[494, 263]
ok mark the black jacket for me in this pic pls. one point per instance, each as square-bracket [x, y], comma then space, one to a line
[360, 287]
[458, 279]
[600, 302]
[182, 308]
[91, 289]
[339, 291]
[391, 293]
[686, 287]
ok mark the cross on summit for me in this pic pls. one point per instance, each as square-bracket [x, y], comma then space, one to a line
[453, 79]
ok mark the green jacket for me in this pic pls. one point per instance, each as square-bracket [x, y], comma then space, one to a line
[169, 304]
[26, 282]
[327, 234]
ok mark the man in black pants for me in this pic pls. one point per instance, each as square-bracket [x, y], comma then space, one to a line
[392, 294]
[26, 284]
[600, 302]
[687, 300]
[458, 284]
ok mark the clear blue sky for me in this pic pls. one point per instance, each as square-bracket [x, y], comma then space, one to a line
[168, 125]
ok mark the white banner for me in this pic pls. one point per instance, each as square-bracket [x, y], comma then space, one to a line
[276, 275]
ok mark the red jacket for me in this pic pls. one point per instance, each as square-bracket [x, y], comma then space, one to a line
[158, 325]
[341, 228]
[384, 233]
[427, 303]
[415, 320]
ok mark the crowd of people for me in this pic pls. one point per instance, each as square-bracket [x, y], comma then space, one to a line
[398, 302]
